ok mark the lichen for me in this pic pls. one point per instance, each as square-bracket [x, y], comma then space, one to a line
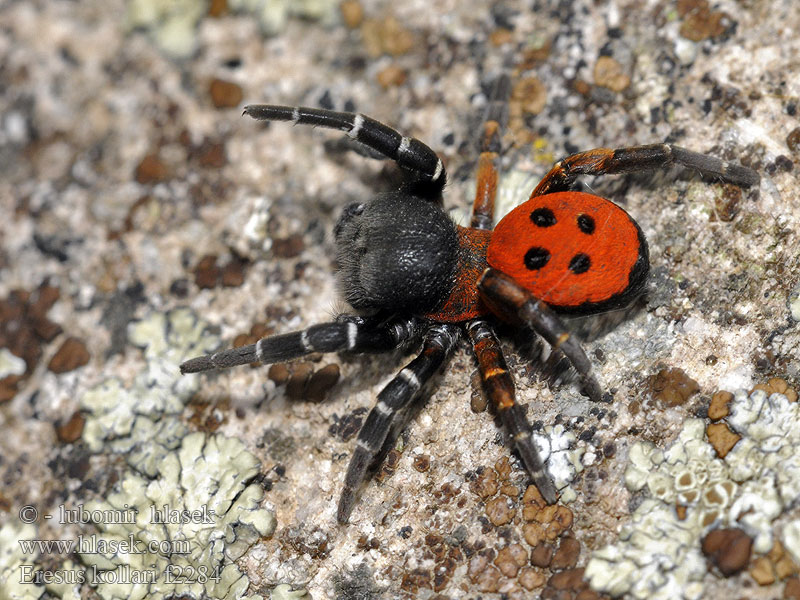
[174, 472]
[658, 552]
[12, 558]
[172, 24]
[10, 364]
[273, 14]
[557, 448]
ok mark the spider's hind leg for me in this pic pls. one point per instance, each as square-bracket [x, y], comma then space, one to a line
[499, 387]
[389, 415]
[348, 334]
[508, 299]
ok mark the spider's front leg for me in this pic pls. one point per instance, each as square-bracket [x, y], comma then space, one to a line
[386, 419]
[349, 333]
[499, 387]
[608, 161]
[510, 301]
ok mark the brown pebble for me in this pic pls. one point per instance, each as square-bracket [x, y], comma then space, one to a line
[722, 438]
[608, 73]
[485, 485]
[151, 170]
[217, 8]
[500, 510]
[295, 387]
[728, 549]
[352, 13]
[726, 204]
[531, 579]
[567, 554]
[233, 272]
[700, 22]
[288, 247]
[528, 97]
[542, 555]
[422, 463]
[386, 36]
[792, 589]
[720, 405]
[321, 382]
[225, 94]
[207, 273]
[278, 373]
[793, 140]
[761, 571]
[672, 386]
[71, 430]
[391, 76]
[567, 580]
[71, 355]
[510, 559]
[501, 36]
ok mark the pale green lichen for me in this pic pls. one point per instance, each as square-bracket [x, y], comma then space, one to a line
[557, 448]
[658, 553]
[172, 24]
[285, 592]
[10, 364]
[171, 468]
[273, 14]
[12, 559]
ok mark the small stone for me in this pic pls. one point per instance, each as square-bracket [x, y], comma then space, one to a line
[217, 8]
[485, 484]
[212, 156]
[792, 589]
[500, 510]
[793, 140]
[386, 36]
[279, 373]
[542, 555]
[71, 355]
[510, 559]
[288, 247]
[762, 572]
[500, 36]
[352, 13]
[570, 579]
[722, 438]
[71, 430]
[672, 387]
[720, 405]
[422, 463]
[225, 94]
[531, 579]
[567, 554]
[528, 97]
[151, 170]
[207, 273]
[295, 387]
[700, 23]
[391, 76]
[608, 73]
[233, 273]
[728, 549]
[321, 383]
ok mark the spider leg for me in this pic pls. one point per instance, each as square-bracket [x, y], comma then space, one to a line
[349, 333]
[398, 395]
[486, 177]
[408, 152]
[507, 299]
[604, 161]
[499, 387]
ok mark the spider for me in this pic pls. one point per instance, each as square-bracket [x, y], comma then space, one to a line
[410, 273]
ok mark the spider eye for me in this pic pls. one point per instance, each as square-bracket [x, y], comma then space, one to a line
[580, 263]
[543, 217]
[536, 258]
[586, 224]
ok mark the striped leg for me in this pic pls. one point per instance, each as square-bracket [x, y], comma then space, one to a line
[385, 420]
[499, 388]
[486, 177]
[410, 153]
[507, 299]
[605, 161]
[349, 333]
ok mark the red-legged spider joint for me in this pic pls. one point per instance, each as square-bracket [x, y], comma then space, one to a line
[412, 275]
